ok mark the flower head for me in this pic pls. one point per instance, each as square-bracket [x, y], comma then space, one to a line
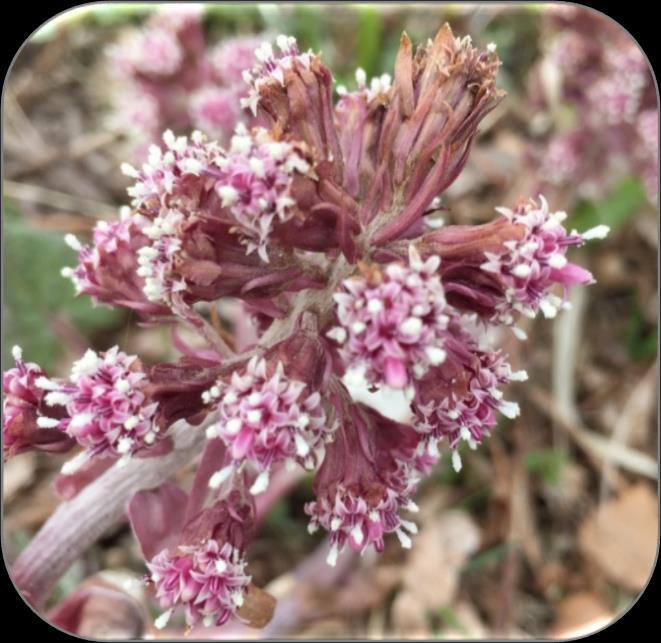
[266, 417]
[21, 409]
[208, 580]
[460, 399]
[532, 264]
[109, 270]
[271, 66]
[214, 110]
[108, 411]
[393, 321]
[360, 488]
[255, 184]
[232, 57]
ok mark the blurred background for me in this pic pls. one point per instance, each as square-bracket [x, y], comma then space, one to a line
[550, 529]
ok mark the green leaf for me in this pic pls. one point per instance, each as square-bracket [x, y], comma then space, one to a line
[368, 40]
[487, 558]
[615, 210]
[641, 341]
[450, 618]
[36, 293]
[547, 464]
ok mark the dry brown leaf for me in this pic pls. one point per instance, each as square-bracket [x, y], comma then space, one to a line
[407, 616]
[365, 589]
[258, 607]
[579, 614]
[440, 550]
[620, 537]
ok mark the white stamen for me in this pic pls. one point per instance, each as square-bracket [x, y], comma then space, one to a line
[374, 306]
[228, 195]
[456, 461]
[411, 326]
[233, 426]
[302, 447]
[220, 476]
[409, 526]
[47, 423]
[509, 409]
[404, 539]
[557, 261]
[162, 620]
[521, 270]
[331, 559]
[598, 232]
[261, 483]
[435, 355]
[72, 241]
[338, 334]
[17, 353]
[357, 534]
[71, 466]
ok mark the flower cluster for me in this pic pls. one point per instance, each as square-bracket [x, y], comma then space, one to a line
[255, 184]
[168, 75]
[366, 479]
[394, 321]
[271, 66]
[608, 84]
[266, 418]
[107, 410]
[316, 224]
[533, 263]
[460, 399]
[209, 581]
[22, 406]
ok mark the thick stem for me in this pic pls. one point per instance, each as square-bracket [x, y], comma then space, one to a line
[78, 523]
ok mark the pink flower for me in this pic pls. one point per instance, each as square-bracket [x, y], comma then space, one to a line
[460, 399]
[155, 52]
[271, 67]
[266, 417]
[108, 411]
[109, 269]
[361, 489]
[532, 264]
[21, 409]
[255, 184]
[394, 321]
[208, 580]
[214, 110]
[232, 57]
